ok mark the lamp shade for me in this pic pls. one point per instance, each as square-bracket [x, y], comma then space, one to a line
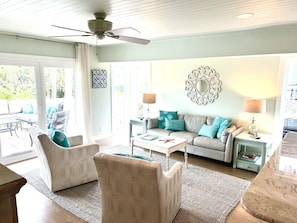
[149, 98]
[254, 105]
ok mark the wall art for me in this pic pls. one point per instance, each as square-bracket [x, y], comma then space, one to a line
[99, 78]
[203, 85]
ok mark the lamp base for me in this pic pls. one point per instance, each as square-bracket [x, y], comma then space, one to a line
[253, 130]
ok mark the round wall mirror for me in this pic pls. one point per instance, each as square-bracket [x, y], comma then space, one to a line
[203, 85]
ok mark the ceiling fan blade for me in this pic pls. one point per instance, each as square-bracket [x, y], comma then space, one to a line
[132, 39]
[77, 30]
[75, 35]
[125, 30]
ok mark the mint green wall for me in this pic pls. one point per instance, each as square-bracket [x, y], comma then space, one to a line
[29, 46]
[101, 99]
[272, 40]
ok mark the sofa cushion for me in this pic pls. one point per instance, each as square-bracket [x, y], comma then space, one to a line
[152, 123]
[4, 107]
[15, 107]
[185, 135]
[206, 142]
[174, 125]
[193, 123]
[209, 130]
[171, 115]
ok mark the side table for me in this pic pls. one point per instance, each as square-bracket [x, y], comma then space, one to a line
[137, 122]
[244, 139]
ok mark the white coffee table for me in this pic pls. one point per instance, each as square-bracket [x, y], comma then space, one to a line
[161, 145]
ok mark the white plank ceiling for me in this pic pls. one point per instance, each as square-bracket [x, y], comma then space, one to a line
[156, 19]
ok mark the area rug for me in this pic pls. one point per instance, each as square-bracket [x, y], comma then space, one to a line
[207, 196]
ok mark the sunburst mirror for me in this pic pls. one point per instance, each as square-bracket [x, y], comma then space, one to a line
[203, 85]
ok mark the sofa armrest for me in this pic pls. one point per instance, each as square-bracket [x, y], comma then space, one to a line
[152, 123]
[229, 143]
[75, 140]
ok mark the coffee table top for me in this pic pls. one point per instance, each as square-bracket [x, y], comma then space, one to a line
[151, 140]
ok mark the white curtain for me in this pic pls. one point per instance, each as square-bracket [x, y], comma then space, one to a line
[83, 89]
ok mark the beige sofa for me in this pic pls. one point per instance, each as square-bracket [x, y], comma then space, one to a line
[215, 148]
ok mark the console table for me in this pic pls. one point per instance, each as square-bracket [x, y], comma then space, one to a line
[10, 184]
[137, 122]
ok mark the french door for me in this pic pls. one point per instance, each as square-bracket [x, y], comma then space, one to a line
[129, 81]
[29, 86]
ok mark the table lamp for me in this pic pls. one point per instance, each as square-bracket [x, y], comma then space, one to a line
[148, 98]
[254, 106]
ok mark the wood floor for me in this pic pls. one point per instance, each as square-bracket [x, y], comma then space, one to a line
[34, 207]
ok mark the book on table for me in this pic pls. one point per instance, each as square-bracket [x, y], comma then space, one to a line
[250, 157]
[149, 137]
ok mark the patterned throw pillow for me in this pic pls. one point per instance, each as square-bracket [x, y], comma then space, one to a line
[208, 130]
[174, 125]
[60, 138]
[171, 115]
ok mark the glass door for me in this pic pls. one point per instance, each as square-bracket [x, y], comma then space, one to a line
[59, 88]
[129, 81]
[29, 86]
[18, 110]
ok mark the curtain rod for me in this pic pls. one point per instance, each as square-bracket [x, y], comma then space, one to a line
[35, 38]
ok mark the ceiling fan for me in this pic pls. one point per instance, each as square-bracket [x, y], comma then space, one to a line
[103, 28]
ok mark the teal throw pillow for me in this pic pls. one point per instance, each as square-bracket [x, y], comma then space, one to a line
[225, 124]
[27, 108]
[218, 120]
[174, 125]
[208, 130]
[171, 115]
[133, 156]
[60, 138]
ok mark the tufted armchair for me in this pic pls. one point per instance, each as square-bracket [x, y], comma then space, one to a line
[136, 190]
[61, 167]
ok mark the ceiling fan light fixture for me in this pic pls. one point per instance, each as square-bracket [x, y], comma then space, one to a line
[99, 25]
[244, 15]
